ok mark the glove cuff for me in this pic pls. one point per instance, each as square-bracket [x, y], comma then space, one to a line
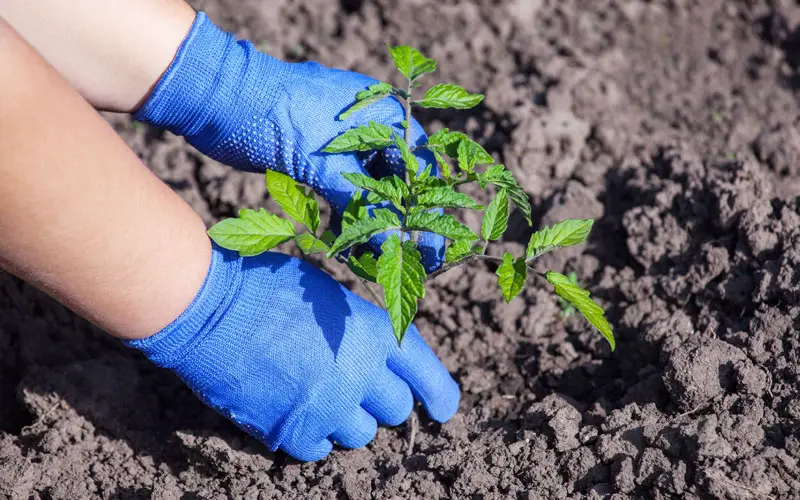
[169, 346]
[212, 82]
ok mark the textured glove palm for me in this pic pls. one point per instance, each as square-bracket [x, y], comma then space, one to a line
[254, 112]
[297, 360]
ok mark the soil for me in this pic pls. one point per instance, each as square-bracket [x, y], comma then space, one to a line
[674, 123]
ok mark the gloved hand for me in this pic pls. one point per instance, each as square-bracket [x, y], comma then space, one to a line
[254, 112]
[297, 360]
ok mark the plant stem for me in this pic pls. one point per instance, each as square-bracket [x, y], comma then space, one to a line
[372, 293]
[473, 258]
[365, 284]
[408, 118]
[465, 260]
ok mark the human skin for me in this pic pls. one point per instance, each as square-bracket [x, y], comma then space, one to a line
[112, 51]
[81, 217]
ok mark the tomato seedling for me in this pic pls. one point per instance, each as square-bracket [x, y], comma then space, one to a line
[410, 206]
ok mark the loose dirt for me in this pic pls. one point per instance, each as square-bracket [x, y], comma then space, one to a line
[674, 123]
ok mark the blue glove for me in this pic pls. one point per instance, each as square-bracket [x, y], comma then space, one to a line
[297, 360]
[254, 112]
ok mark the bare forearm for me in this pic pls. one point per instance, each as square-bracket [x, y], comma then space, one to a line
[112, 51]
[80, 216]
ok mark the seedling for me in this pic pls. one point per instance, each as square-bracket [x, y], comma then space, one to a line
[409, 205]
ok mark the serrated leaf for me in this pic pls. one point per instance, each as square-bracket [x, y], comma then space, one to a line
[501, 177]
[448, 95]
[583, 302]
[409, 160]
[388, 188]
[356, 209]
[511, 276]
[471, 154]
[444, 166]
[460, 249]
[298, 203]
[446, 142]
[363, 229]
[252, 233]
[425, 174]
[365, 266]
[566, 308]
[565, 233]
[365, 138]
[411, 63]
[495, 219]
[446, 225]
[446, 197]
[365, 98]
[309, 244]
[402, 275]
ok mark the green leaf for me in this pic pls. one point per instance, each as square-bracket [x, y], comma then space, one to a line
[582, 301]
[446, 197]
[495, 220]
[365, 138]
[309, 244]
[402, 275]
[511, 276]
[389, 188]
[446, 142]
[566, 233]
[470, 154]
[443, 164]
[356, 209]
[365, 98]
[328, 237]
[448, 95]
[252, 233]
[566, 308]
[365, 266]
[411, 63]
[446, 225]
[409, 159]
[460, 249]
[298, 203]
[424, 175]
[503, 178]
[363, 229]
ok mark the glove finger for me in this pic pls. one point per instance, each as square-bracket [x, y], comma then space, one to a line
[357, 431]
[426, 376]
[390, 401]
[308, 452]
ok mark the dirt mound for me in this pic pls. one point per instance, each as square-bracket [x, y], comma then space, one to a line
[674, 123]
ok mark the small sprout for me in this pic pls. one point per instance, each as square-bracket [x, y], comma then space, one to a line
[405, 207]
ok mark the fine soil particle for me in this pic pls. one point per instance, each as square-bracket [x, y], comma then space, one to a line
[674, 123]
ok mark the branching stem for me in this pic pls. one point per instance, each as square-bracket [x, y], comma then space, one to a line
[465, 260]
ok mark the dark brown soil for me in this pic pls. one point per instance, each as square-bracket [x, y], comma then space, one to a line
[675, 123]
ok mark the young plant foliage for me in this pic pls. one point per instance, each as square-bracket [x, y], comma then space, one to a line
[579, 298]
[365, 98]
[411, 203]
[448, 95]
[402, 276]
[512, 275]
[252, 233]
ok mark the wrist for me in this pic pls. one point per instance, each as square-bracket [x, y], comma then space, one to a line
[212, 81]
[166, 346]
